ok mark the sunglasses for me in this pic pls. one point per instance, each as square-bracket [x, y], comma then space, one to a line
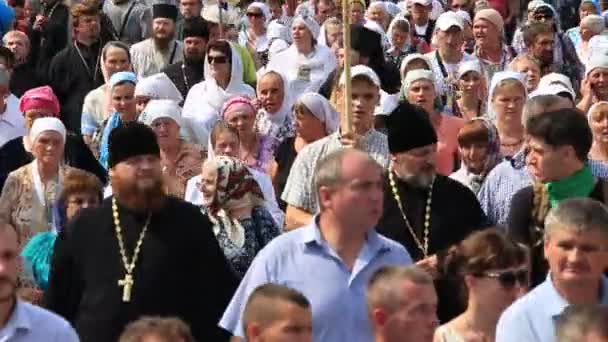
[508, 279]
[541, 16]
[254, 15]
[217, 59]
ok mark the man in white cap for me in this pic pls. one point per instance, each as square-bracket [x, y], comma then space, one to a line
[298, 194]
[594, 87]
[448, 56]
[420, 18]
[153, 54]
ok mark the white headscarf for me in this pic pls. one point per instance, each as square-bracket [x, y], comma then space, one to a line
[47, 124]
[499, 77]
[158, 86]
[309, 22]
[412, 57]
[322, 110]
[416, 75]
[156, 109]
[285, 110]
[263, 8]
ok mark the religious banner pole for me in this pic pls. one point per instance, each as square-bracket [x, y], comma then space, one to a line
[220, 5]
[347, 120]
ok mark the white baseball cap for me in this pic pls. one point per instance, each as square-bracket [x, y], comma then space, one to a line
[448, 20]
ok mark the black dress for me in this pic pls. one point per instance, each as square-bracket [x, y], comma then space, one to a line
[455, 213]
[524, 229]
[181, 271]
[284, 156]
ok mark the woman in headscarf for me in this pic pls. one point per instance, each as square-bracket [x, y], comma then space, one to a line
[274, 118]
[357, 12]
[505, 107]
[305, 63]
[179, 159]
[224, 141]
[402, 43]
[235, 205]
[331, 32]
[253, 37]
[80, 189]
[419, 89]
[115, 57]
[38, 103]
[315, 118]
[479, 147]
[256, 149]
[30, 192]
[472, 89]
[156, 87]
[598, 122]
[414, 61]
[223, 80]
[528, 65]
[586, 7]
[590, 26]
[122, 98]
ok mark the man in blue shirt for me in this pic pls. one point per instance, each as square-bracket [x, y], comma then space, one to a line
[20, 321]
[576, 248]
[330, 260]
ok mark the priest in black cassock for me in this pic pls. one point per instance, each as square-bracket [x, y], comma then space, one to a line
[191, 71]
[423, 210]
[140, 253]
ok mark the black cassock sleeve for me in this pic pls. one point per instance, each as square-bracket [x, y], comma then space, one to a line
[520, 213]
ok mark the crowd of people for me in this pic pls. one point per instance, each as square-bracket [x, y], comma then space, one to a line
[191, 171]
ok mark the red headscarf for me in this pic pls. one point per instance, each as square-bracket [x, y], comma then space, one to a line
[39, 98]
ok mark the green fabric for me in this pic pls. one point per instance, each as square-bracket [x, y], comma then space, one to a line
[579, 184]
[249, 75]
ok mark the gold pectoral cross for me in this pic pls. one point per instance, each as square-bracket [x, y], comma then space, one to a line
[127, 285]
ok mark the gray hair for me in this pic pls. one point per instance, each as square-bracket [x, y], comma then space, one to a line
[16, 34]
[577, 214]
[383, 288]
[594, 22]
[115, 44]
[577, 321]
[540, 104]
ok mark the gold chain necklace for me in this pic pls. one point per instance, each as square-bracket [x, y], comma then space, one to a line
[127, 282]
[427, 215]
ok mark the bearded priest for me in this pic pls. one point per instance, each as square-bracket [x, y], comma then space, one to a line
[140, 253]
[424, 211]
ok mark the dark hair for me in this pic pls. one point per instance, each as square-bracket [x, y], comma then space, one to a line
[257, 305]
[221, 46]
[169, 329]
[87, 7]
[196, 27]
[219, 128]
[79, 181]
[7, 54]
[562, 127]
[485, 250]
[533, 29]
[115, 44]
[473, 132]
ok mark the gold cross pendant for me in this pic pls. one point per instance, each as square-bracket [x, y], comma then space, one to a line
[127, 285]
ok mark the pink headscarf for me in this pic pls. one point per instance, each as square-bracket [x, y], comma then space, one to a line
[39, 98]
[235, 102]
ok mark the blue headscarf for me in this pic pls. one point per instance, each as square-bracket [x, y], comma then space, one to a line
[114, 120]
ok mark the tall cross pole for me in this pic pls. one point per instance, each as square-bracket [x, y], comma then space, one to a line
[347, 119]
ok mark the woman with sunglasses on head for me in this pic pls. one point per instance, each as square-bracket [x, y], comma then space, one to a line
[491, 272]
[253, 37]
[223, 80]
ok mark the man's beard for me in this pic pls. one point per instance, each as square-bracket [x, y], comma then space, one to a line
[194, 59]
[420, 181]
[162, 43]
[141, 200]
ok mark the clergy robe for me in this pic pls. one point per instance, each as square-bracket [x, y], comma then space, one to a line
[185, 75]
[147, 60]
[181, 271]
[23, 78]
[455, 213]
[131, 20]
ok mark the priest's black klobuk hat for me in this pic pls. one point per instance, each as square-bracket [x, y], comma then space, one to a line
[409, 127]
[130, 140]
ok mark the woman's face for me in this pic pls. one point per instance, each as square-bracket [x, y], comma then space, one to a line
[586, 9]
[532, 71]
[275, 9]
[167, 131]
[208, 184]
[308, 127]
[508, 103]
[123, 99]
[226, 144]
[271, 92]
[242, 119]
[300, 34]
[255, 17]
[33, 114]
[80, 200]
[334, 35]
[399, 38]
[140, 103]
[357, 13]
[470, 83]
[48, 147]
[376, 14]
[422, 93]
[474, 156]
[598, 121]
[496, 294]
[219, 65]
[599, 82]
[116, 59]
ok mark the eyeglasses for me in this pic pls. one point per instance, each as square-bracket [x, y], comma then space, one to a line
[508, 279]
[254, 15]
[217, 59]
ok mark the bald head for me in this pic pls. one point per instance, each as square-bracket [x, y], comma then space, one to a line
[331, 169]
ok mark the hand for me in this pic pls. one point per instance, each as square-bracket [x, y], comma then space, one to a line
[586, 89]
[39, 22]
[429, 264]
[350, 139]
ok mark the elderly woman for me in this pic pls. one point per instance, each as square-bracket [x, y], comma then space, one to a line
[490, 271]
[223, 80]
[224, 141]
[234, 202]
[80, 190]
[591, 26]
[115, 57]
[479, 147]
[586, 8]
[122, 98]
[377, 13]
[419, 89]
[180, 160]
[256, 149]
[314, 119]
[30, 192]
[253, 37]
[331, 32]
[305, 63]
[505, 106]
[598, 122]
[594, 87]
[38, 103]
[274, 117]
[156, 87]
[472, 89]
[528, 65]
